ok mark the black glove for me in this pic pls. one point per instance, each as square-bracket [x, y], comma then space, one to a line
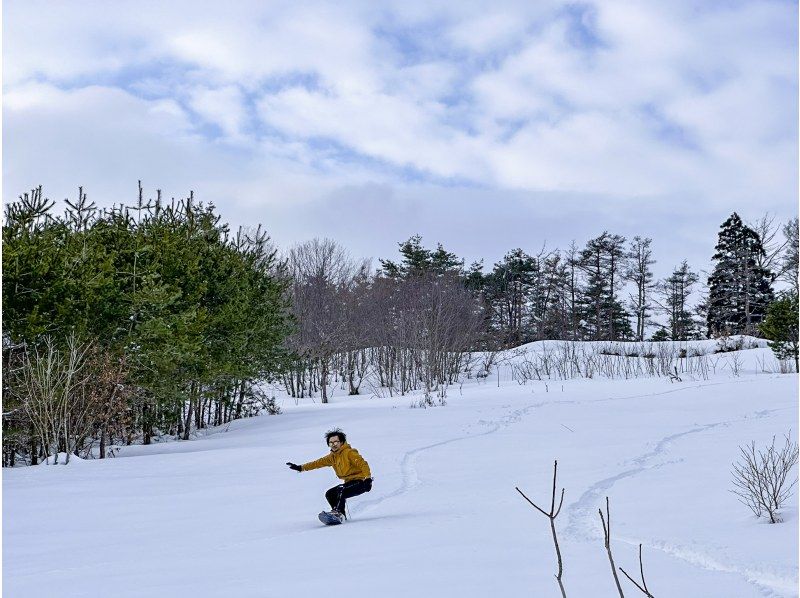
[295, 467]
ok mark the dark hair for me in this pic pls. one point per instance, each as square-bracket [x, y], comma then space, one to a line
[335, 432]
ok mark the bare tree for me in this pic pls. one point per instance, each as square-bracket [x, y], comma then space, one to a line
[323, 276]
[773, 245]
[789, 264]
[551, 515]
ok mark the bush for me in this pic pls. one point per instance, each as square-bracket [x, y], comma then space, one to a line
[760, 477]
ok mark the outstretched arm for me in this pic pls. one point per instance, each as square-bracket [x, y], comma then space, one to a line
[325, 461]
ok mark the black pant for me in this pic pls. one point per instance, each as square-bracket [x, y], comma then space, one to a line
[338, 495]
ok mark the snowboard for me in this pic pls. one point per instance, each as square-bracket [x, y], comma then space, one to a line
[329, 519]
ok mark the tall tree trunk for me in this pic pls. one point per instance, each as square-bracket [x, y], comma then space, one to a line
[34, 448]
[188, 425]
[324, 379]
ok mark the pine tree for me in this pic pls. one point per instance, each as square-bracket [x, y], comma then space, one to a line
[507, 291]
[662, 334]
[639, 273]
[676, 290]
[739, 289]
[781, 328]
[418, 260]
[192, 316]
[551, 304]
[602, 261]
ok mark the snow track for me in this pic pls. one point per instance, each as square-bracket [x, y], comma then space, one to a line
[583, 523]
[408, 465]
[410, 476]
[581, 513]
[769, 581]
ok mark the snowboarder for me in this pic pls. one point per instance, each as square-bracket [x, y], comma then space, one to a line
[349, 466]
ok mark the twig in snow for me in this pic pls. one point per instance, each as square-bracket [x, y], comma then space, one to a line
[607, 538]
[552, 517]
[643, 587]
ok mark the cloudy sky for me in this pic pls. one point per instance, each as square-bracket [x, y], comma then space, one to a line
[484, 126]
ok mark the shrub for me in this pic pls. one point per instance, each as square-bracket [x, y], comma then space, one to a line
[761, 477]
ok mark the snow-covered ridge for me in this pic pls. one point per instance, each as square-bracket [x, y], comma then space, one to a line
[565, 360]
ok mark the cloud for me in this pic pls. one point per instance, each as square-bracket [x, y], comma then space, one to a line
[566, 111]
[223, 107]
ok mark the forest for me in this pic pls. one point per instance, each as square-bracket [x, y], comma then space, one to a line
[126, 324]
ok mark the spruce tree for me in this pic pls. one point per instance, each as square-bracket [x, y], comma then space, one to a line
[739, 289]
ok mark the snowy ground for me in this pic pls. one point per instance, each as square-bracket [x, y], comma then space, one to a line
[222, 516]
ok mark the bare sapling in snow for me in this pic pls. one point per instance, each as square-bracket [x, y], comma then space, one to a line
[551, 515]
[761, 477]
[48, 385]
[735, 363]
[606, 521]
[643, 587]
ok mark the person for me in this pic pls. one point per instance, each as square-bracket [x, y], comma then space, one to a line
[348, 466]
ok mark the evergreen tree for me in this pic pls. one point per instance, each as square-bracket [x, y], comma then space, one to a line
[195, 316]
[417, 260]
[660, 335]
[739, 289]
[507, 290]
[551, 304]
[676, 290]
[638, 272]
[781, 327]
[572, 293]
[602, 260]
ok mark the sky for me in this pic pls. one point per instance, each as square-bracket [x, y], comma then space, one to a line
[485, 126]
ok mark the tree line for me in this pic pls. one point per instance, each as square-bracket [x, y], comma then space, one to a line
[126, 323]
[415, 320]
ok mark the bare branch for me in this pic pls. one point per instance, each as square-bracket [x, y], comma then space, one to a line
[552, 517]
[606, 521]
[545, 513]
[642, 588]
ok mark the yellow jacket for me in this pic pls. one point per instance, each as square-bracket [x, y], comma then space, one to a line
[346, 462]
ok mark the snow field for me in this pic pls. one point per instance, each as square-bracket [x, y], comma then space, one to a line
[223, 516]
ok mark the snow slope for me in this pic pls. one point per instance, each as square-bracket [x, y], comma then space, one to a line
[222, 516]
